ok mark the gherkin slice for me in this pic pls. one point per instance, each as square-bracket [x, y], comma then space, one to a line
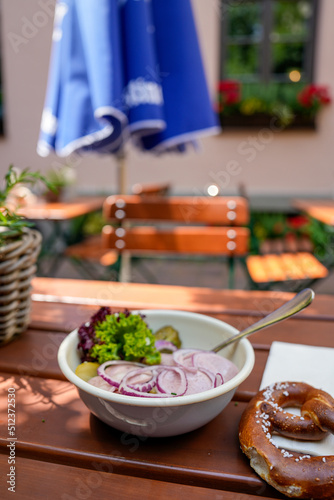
[169, 334]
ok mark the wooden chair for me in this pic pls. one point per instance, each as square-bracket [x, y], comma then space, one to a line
[90, 258]
[153, 226]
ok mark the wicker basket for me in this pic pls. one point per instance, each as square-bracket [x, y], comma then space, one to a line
[17, 267]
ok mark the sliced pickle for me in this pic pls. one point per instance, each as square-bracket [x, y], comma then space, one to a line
[170, 334]
[87, 370]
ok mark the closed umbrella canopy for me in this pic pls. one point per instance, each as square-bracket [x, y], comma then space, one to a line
[125, 69]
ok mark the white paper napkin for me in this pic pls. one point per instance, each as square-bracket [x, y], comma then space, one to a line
[302, 363]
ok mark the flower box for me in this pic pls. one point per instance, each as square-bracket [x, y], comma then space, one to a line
[275, 106]
[263, 120]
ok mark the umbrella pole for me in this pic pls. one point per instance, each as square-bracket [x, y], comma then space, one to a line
[121, 173]
[125, 266]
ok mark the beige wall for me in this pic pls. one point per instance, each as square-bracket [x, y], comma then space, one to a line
[267, 162]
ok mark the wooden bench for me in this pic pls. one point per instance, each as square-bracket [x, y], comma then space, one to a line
[285, 260]
[151, 189]
[155, 226]
[192, 225]
[92, 248]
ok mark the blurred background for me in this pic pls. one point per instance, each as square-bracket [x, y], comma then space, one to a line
[270, 73]
[274, 165]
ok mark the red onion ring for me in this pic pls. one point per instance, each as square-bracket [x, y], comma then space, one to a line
[165, 344]
[205, 381]
[146, 385]
[215, 363]
[219, 380]
[190, 371]
[117, 378]
[162, 383]
[181, 355]
[129, 391]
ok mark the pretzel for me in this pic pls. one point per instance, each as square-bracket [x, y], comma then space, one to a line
[292, 473]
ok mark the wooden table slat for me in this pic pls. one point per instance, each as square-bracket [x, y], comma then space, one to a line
[54, 481]
[66, 317]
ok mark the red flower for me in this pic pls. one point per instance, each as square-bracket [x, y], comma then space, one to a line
[313, 95]
[323, 95]
[230, 92]
[228, 85]
[298, 221]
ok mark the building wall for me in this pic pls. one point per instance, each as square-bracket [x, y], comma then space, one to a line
[269, 163]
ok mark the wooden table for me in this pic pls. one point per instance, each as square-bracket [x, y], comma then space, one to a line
[63, 210]
[64, 452]
[58, 214]
[322, 210]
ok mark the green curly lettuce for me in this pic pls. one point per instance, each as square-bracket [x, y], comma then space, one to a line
[124, 336]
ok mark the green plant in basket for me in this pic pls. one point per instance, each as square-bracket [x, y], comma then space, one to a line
[11, 223]
[19, 250]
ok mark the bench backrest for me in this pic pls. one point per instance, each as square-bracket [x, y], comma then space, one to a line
[151, 189]
[198, 224]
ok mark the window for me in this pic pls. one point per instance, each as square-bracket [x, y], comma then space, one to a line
[267, 52]
[267, 41]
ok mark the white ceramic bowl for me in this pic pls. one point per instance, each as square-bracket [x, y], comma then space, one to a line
[166, 416]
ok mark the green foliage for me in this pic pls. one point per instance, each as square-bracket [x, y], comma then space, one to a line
[268, 226]
[14, 177]
[247, 35]
[94, 223]
[125, 336]
[243, 19]
[60, 177]
[12, 224]
[322, 237]
[275, 99]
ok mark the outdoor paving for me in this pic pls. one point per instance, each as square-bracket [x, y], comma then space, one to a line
[189, 273]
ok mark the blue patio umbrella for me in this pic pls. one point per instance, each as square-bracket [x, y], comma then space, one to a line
[124, 70]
